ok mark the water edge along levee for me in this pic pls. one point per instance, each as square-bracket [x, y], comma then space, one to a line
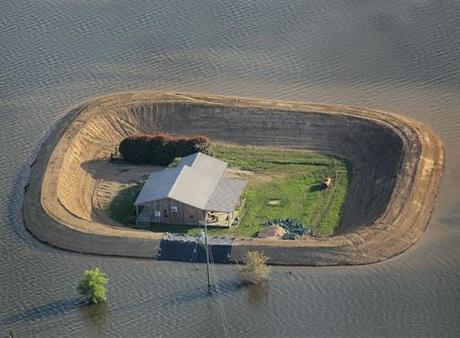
[397, 167]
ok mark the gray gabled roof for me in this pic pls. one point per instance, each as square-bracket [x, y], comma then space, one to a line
[206, 165]
[197, 181]
[158, 186]
[193, 188]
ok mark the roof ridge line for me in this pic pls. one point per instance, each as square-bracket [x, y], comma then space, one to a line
[195, 159]
[176, 180]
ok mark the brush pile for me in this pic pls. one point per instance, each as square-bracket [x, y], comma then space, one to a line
[293, 229]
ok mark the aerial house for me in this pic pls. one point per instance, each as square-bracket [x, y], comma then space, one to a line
[194, 192]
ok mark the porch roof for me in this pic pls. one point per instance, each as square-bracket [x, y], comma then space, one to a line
[226, 195]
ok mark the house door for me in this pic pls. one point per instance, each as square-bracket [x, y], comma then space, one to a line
[156, 216]
[175, 215]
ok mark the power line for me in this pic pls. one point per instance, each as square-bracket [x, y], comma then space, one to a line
[219, 293]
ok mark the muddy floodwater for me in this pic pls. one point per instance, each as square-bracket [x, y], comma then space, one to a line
[400, 56]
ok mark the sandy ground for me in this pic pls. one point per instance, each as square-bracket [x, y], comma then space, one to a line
[397, 167]
[112, 178]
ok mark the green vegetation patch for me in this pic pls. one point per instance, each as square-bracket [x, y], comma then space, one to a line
[161, 149]
[286, 183]
[282, 183]
[121, 208]
[92, 286]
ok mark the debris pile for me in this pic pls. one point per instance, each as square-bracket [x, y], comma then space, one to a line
[293, 229]
[272, 231]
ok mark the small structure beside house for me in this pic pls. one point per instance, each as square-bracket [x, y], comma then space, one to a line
[326, 183]
[194, 192]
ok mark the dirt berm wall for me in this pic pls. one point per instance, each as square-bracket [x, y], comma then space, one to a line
[397, 167]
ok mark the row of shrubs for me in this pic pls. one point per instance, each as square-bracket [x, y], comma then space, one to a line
[161, 149]
[293, 229]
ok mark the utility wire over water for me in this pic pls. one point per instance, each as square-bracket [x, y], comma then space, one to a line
[218, 292]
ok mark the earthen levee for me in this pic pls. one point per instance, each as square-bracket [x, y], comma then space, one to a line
[397, 167]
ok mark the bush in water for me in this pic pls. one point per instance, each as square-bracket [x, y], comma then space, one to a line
[256, 270]
[92, 286]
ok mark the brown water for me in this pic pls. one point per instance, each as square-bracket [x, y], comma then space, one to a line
[402, 56]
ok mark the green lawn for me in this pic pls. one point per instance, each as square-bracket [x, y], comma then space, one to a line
[121, 208]
[282, 183]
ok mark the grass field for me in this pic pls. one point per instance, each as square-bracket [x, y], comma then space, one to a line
[282, 183]
[121, 208]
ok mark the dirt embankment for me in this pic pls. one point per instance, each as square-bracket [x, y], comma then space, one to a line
[397, 168]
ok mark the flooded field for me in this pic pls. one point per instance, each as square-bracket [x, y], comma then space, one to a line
[397, 56]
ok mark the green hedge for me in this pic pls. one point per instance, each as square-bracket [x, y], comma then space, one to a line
[161, 149]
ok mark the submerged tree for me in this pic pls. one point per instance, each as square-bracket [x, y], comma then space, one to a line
[256, 270]
[92, 286]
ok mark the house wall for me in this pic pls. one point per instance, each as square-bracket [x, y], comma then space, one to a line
[185, 214]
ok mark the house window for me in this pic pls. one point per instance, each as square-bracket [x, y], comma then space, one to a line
[174, 208]
[191, 217]
[157, 213]
[165, 213]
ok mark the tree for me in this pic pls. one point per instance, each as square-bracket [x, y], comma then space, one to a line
[92, 286]
[256, 270]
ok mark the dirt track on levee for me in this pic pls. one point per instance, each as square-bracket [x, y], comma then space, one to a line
[397, 167]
